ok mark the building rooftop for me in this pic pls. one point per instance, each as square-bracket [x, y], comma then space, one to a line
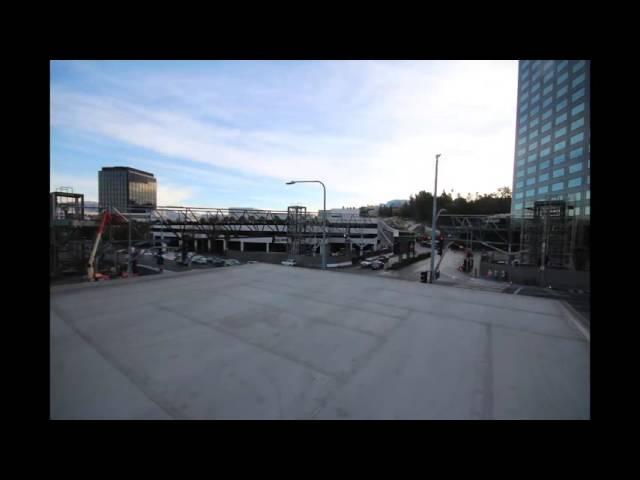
[129, 169]
[262, 341]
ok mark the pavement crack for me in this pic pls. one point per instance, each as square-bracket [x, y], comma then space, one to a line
[487, 398]
[253, 344]
[122, 369]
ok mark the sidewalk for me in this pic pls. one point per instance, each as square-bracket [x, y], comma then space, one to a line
[580, 302]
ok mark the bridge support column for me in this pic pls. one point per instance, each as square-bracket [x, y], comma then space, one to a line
[242, 246]
[267, 247]
[209, 245]
[225, 245]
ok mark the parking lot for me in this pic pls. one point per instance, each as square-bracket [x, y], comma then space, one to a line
[173, 262]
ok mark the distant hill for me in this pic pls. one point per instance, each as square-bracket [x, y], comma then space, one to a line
[396, 203]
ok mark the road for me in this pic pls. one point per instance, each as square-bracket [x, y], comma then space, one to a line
[449, 274]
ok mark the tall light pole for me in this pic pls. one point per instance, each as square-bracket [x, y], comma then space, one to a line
[433, 221]
[324, 220]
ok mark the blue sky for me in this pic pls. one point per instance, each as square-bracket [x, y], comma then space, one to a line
[231, 133]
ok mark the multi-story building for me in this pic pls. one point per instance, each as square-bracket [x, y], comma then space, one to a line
[340, 213]
[552, 154]
[127, 189]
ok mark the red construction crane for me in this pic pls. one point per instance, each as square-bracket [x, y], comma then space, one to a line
[91, 266]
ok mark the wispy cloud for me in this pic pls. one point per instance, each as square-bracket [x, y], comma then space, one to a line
[80, 184]
[168, 193]
[172, 195]
[370, 130]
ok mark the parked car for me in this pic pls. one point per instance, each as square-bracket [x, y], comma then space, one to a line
[252, 261]
[365, 264]
[199, 259]
[289, 263]
[377, 265]
[230, 262]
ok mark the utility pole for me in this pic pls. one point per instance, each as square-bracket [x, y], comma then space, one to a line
[433, 222]
[324, 220]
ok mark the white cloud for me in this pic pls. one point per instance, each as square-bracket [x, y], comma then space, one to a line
[80, 184]
[168, 193]
[172, 195]
[396, 116]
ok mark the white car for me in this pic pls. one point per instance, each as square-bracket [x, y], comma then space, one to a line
[365, 264]
[377, 265]
[199, 259]
[289, 263]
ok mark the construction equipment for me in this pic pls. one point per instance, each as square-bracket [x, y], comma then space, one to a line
[107, 218]
[91, 266]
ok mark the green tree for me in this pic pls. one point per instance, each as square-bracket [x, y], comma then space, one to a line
[420, 206]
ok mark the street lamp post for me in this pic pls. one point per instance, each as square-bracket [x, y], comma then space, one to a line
[324, 220]
[438, 216]
[433, 222]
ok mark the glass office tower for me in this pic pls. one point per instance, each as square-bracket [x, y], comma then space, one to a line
[552, 158]
[127, 189]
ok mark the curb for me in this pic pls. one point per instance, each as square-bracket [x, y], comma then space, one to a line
[74, 287]
[576, 319]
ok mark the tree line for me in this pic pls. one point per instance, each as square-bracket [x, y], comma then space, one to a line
[420, 206]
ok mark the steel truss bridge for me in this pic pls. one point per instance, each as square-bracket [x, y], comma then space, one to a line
[497, 232]
[296, 224]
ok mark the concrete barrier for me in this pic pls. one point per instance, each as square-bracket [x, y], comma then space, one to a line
[337, 265]
[301, 260]
[529, 275]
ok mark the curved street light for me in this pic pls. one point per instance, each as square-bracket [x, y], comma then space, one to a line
[434, 219]
[324, 221]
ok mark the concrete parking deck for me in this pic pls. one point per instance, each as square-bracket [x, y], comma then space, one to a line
[272, 342]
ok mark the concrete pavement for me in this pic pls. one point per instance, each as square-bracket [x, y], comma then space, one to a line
[272, 342]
